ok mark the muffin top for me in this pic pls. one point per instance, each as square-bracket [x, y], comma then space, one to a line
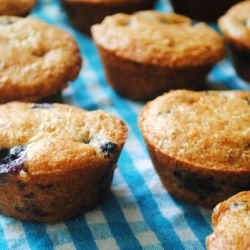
[37, 59]
[160, 39]
[231, 223]
[16, 7]
[235, 24]
[45, 138]
[203, 129]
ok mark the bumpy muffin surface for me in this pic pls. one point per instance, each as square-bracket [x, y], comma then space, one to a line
[199, 143]
[37, 59]
[235, 24]
[160, 39]
[55, 156]
[231, 224]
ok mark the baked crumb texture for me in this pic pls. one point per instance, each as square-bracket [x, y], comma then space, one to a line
[56, 161]
[148, 53]
[234, 25]
[16, 7]
[231, 224]
[38, 60]
[84, 13]
[199, 143]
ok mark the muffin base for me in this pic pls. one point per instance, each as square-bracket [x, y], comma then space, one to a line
[83, 14]
[143, 82]
[200, 186]
[208, 11]
[54, 197]
[240, 58]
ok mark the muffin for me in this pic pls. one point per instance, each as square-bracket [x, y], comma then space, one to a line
[16, 7]
[84, 13]
[199, 143]
[208, 11]
[231, 224]
[234, 25]
[148, 53]
[37, 60]
[56, 161]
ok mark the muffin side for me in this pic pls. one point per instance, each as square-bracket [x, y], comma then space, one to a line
[234, 25]
[56, 161]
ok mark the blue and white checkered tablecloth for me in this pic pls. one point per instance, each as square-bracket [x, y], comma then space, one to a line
[138, 212]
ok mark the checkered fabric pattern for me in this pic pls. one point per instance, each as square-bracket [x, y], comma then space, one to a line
[138, 212]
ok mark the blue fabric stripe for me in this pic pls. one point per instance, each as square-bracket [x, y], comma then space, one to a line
[3, 242]
[37, 236]
[118, 224]
[195, 219]
[149, 209]
[81, 234]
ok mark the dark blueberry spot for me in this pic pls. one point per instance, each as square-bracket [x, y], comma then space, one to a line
[8, 21]
[43, 106]
[237, 205]
[31, 209]
[12, 160]
[107, 148]
[247, 147]
[248, 100]
[42, 186]
[20, 185]
[29, 195]
[195, 183]
[86, 141]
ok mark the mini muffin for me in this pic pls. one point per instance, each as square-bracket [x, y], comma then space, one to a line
[84, 13]
[235, 26]
[148, 53]
[199, 143]
[37, 60]
[16, 7]
[56, 161]
[203, 10]
[231, 224]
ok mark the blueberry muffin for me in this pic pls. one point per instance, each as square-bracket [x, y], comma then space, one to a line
[148, 53]
[203, 10]
[199, 143]
[235, 26]
[56, 161]
[231, 224]
[38, 60]
[84, 13]
[16, 7]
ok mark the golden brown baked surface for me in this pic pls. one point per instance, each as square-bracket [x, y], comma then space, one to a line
[231, 224]
[160, 39]
[235, 24]
[55, 155]
[37, 59]
[16, 7]
[209, 129]
[199, 143]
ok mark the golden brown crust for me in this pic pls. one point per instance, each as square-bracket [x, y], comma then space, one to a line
[149, 37]
[235, 24]
[231, 224]
[16, 7]
[199, 143]
[69, 158]
[37, 61]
